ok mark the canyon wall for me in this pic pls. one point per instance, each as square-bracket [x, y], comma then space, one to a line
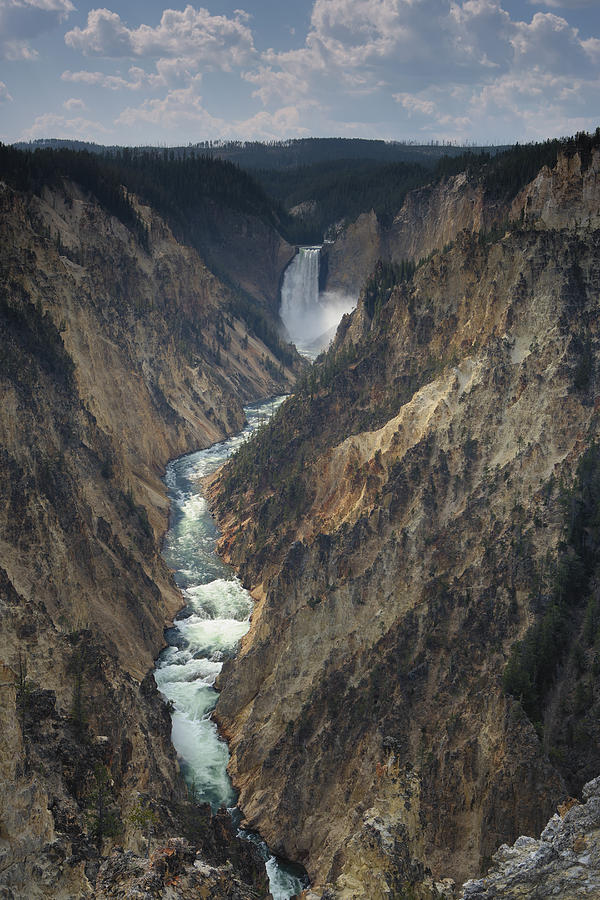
[244, 251]
[417, 508]
[429, 219]
[115, 358]
[433, 216]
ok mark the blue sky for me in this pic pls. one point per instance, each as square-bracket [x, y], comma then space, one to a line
[486, 71]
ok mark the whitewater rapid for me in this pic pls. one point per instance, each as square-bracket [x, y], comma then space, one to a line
[207, 631]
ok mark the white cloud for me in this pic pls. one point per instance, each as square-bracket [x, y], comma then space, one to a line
[537, 104]
[565, 4]
[183, 109]
[175, 71]
[592, 47]
[4, 95]
[450, 69]
[212, 41]
[180, 107]
[54, 125]
[414, 103]
[169, 73]
[288, 81]
[15, 50]
[61, 7]
[112, 82]
[73, 104]
[439, 60]
[368, 45]
[23, 20]
[548, 43]
[264, 126]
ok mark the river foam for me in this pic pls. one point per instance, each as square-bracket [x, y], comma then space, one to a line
[215, 618]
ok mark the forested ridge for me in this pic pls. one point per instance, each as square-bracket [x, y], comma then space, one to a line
[177, 187]
[181, 190]
[340, 191]
[286, 154]
[334, 179]
[31, 172]
[329, 193]
[505, 174]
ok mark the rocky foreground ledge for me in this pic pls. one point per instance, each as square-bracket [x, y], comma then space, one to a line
[175, 870]
[563, 863]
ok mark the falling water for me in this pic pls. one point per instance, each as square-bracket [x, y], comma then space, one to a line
[310, 317]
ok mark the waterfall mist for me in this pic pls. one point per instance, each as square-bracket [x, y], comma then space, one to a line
[311, 318]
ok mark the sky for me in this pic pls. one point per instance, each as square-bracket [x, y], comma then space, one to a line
[143, 72]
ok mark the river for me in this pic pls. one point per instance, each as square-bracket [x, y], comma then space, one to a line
[207, 631]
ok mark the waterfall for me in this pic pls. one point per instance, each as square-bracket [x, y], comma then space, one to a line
[310, 317]
[300, 307]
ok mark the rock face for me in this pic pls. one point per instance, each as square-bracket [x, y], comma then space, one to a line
[244, 251]
[178, 871]
[564, 862]
[562, 196]
[433, 216]
[113, 359]
[429, 219]
[407, 531]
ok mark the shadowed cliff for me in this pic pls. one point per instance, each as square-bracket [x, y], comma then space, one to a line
[119, 350]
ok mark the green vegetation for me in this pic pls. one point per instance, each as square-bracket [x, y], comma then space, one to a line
[381, 282]
[186, 190]
[182, 188]
[534, 662]
[102, 817]
[31, 172]
[282, 154]
[505, 174]
[146, 819]
[339, 192]
[336, 178]
[301, 152]
[178, 187]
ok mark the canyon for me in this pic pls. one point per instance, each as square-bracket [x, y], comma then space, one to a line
[116, 357]
[402, 524]
[413, 521]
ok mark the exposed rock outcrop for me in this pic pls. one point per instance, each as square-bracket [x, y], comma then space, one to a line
[564, 196]
[433, 216]
[114, 358]
[564, 862]
[407, 532]
[429, 219]
[177, 870]
[244, 251]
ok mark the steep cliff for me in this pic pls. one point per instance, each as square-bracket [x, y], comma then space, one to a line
[229, 241]
[115, 356]
[431, 217]
[423, 503]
